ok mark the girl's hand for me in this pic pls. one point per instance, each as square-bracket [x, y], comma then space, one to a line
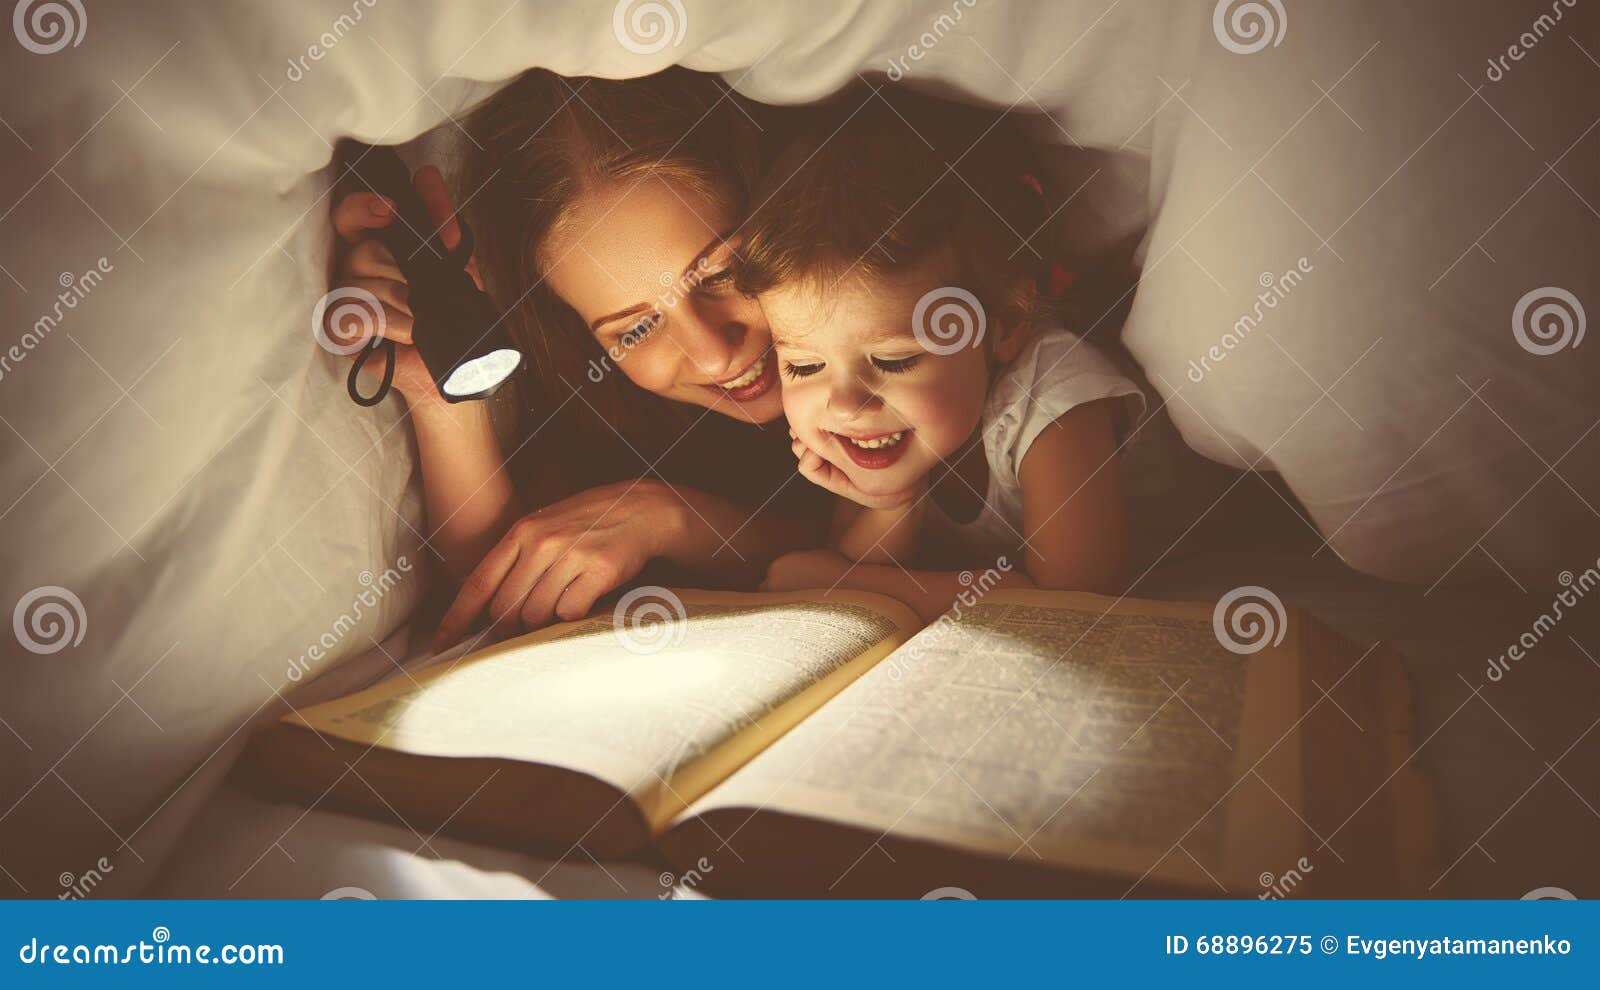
[804, 569]
[819, 471]
[366, 264]
[557, 561]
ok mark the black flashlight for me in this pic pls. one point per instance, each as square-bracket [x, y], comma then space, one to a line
[455, 327]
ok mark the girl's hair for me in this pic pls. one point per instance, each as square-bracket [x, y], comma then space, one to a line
[883, 180]
[536, 146]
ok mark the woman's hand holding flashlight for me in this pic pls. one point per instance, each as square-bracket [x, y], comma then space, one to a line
[364, 263]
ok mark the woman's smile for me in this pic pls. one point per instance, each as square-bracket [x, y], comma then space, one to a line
[750, 384]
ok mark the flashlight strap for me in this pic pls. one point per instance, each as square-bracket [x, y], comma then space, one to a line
[351, 384]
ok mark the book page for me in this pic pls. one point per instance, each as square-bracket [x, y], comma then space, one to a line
[660, 710]
[1079, 734]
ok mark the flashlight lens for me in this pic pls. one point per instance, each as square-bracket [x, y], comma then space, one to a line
[483, 374]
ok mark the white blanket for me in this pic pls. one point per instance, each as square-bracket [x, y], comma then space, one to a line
[196, 520]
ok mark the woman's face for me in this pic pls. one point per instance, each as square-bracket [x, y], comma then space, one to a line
[649, 267]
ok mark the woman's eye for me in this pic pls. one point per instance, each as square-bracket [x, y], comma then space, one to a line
[896, 365]
[640, 330]
[718, 280]
[800, 370]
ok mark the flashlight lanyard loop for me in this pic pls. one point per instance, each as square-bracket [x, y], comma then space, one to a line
[378, 343]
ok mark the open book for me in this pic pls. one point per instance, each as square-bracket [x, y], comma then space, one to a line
[1034, 743]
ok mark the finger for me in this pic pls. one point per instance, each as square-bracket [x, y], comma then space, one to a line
[430, 186]
[506, 606]
[360, 212]
[541, 604]
[394, 295]
[579, 598]
[476, 592]
[441, 211]
[371, 259]
[355, 329]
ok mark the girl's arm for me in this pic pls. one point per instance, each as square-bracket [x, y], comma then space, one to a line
[1072, 511]
[877, 536]
[1073, 519]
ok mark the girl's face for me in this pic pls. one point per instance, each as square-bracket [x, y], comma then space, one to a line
[649, 267]
[860, 388]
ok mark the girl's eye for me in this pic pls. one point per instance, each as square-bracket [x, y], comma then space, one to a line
[896, 365]
[640, 330]
[800, 370]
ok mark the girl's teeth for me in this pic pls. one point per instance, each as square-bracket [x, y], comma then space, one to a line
[877, 443]
[749, 376]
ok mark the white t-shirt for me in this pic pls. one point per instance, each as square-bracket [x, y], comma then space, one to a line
[1056, 371]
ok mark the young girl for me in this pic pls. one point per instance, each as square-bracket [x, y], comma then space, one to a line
[924, 381]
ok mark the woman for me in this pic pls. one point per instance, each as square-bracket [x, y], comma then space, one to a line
[606, 214]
